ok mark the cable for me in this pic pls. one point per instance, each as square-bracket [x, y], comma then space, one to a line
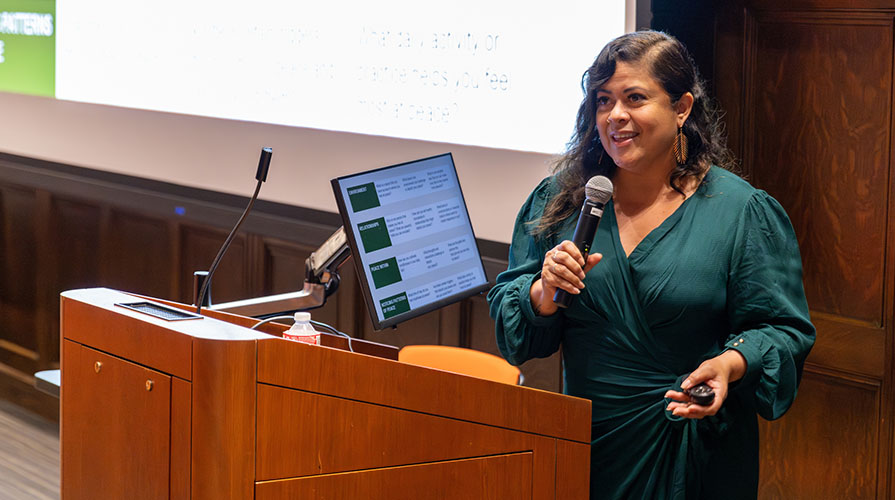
[315, 323]
[268, 320]
[337, 332]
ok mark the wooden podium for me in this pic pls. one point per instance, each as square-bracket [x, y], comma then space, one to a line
[208, 409]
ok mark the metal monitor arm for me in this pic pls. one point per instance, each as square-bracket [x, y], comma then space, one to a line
[321, 280]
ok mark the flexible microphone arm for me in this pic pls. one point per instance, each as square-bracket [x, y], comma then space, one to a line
[261, 176]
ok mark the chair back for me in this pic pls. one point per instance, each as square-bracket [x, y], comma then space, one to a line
[460, 360]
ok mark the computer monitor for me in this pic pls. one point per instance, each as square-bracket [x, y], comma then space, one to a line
[412, 241]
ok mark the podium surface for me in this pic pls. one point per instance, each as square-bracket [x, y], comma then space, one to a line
[207, 408]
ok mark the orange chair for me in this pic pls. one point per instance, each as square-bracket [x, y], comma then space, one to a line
[459, 360]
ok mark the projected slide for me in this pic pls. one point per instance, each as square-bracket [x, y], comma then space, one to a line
[28, 46]
[498, 74]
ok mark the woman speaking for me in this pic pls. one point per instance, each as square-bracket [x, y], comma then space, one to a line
[698, 281]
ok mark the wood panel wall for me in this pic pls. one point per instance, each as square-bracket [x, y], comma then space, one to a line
[65, 227]
[807, 86]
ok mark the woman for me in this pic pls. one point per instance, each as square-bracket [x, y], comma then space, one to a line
[699, 281]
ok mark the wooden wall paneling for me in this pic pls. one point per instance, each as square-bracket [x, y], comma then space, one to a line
[423, 329]
[177, 281]
[71, 243]
[25, 336]
[137, 254]
[18, 293]
[453, 325]
[729, 74]
[822, 85]
[887, 418]
[199, 246]
[75, 229]
[838, 112]
[826, 445]
[351, 307]
[284, 265]
[47, 312]
[254, 265]
[812, 121]
[480, 326]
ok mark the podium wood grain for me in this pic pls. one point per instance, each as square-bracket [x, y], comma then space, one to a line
[235, 413]
[125, 446]
[506, 476]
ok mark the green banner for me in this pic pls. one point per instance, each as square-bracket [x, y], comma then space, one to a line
[394, 305]
[385, 272]
[28, 47]
[363, 197]
[374, 235]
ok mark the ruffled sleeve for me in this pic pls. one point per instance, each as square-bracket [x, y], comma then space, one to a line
[522, 334]
[767, 308]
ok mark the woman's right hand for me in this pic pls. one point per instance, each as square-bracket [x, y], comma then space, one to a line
[564, 268]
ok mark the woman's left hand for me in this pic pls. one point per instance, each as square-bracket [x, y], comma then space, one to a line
[717, 373]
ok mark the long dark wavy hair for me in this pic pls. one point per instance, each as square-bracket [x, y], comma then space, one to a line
[671, 65]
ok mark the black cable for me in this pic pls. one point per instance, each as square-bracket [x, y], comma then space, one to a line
[220, 255]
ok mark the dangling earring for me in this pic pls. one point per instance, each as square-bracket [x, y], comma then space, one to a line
[600, 160]
[680, 147]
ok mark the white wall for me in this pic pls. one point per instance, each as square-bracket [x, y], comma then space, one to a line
[222, 155]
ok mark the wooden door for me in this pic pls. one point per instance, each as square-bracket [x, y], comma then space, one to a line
[807, 86]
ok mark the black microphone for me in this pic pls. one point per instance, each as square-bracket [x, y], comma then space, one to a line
[597, 193]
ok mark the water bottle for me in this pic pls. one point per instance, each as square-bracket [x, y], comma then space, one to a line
[302, 330]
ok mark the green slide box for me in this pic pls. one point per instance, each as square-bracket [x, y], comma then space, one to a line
[28, 47]
[385, 272]
[363, 197]
[374, 234]
[394, 305]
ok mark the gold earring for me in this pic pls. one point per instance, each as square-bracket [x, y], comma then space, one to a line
[680, 147]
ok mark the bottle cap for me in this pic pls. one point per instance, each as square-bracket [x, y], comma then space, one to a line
[302, 317]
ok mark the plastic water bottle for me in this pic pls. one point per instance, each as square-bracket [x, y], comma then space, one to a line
[302, 330]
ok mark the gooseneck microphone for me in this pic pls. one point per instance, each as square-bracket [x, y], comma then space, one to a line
[260, 176]
[597, 193]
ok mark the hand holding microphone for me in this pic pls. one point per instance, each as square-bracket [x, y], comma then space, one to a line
[597, 193]
[565, 265]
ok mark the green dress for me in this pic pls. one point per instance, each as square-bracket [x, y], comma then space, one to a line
[722, 272]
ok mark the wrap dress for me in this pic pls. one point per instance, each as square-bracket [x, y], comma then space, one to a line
[722, 272]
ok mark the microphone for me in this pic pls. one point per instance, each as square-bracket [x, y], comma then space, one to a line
[597, 193]
[261, 176]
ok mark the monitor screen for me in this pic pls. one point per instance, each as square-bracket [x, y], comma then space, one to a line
[411, 238]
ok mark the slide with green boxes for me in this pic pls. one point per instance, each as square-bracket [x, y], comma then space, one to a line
[28, 47]
[413, 234]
